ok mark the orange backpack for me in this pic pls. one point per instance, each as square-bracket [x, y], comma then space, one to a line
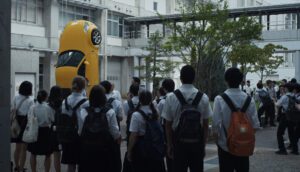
[240, 134]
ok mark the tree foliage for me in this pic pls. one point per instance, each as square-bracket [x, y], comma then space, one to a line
[158, 64]
[205, 37]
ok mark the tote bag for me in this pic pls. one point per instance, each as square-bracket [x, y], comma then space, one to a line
[31, 131]
[15, 128]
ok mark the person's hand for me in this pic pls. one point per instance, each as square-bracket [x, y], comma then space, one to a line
[170, 152]
[129, 156]
[298, 106]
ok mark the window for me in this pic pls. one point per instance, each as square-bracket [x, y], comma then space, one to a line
[155, 6]
[70, 58]
[115, 25]
[27, 11]
[70, 13]
[41, 74]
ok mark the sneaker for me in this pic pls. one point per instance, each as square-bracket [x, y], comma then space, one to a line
[281, 152]
[294, 153]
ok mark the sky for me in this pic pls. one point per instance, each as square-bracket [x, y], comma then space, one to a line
[282, 1]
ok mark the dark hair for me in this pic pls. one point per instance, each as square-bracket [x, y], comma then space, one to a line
[187, 74]
[145, 98]
[55, 97]
[107, 86]
[42, 96]
[290, 87]
[259, 85]
[162, 91]
[97, 96]
[134, 89]
[248, 81]
[25, 88]
[233, 77]
[294, 81]
[136, 80]
[168, 84]
[297, 88]
[284, 80]
[268, 82]
[78, 83]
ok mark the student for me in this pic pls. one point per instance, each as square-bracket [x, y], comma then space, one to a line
[161, 96]
[136, 80]
[129, 107]
[22, 102]
[70, 151]
[55, 102]
[95, 155]
[45, 117]
[271, 110]
[187, 150]
[169, 86]
[116, 93]
[116, 105]
[144, 160]
[222, 115]
[248, 89]
[284, 123]
[265, 105]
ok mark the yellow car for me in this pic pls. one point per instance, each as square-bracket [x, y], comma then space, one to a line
[78, 54]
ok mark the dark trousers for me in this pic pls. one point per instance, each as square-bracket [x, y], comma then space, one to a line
[116, 158]
[169, 162]
[231, 163]
[269, 111]
[188, 155]
[292, 133]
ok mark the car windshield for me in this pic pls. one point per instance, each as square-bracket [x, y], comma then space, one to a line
[70, 58]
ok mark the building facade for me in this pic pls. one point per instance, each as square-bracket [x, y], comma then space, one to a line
[36, 26]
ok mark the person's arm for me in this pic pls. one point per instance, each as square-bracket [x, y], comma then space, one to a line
[120, 111]
[113, 125]
[132, 141]
[125, 108]
[216, 118]
[298, 106]
[252, 111]
[207, 113]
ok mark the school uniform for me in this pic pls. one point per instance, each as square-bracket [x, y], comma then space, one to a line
[140, 163]
[186, 154]
[116, 94]
[284, 123]
[118, 108]
[99, 160]
[221, 119]
[45, 117]
[269, 109]
[135, 102]
[21, 117]
[70, 152]
[56, 107]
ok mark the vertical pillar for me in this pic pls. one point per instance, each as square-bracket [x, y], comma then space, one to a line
[268, 21]
[297, 65]
[104, 43]
[136, 62]
[164, 30]
[298, 19]
[5, 12]
[124, 76]
[49, 70]
[260, 19]
[148, 30]
[51, 19]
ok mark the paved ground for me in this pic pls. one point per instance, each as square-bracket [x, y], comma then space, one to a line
[263, 160]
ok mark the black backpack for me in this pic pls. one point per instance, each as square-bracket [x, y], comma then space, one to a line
[109, 102]
[95, 133]
[265, 97]
[292, 113]
[189, 129]
[151, 145]
[158, 100]
[129, 115]
[67, 126]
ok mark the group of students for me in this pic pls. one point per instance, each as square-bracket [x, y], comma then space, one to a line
[174, 126]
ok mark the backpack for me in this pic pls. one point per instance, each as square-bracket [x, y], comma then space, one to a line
[109, 102]
[240, 134]
[158, 100]
[189, 129]
[129, 115]
[151, 145]
[265, 97]
[67, 126]
[95, 133]
[292, 113]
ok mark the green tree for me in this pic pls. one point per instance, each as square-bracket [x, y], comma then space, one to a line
[205, 37]
[158, 64]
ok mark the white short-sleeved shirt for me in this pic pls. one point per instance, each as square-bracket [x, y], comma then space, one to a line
[111, 119]
[135, 101]
[24, 108]
[43, 112]
[138, 123]
[172, 107]
[222, 114]
[116, 94]
[117, 106]
[284, 101]
[73, 99]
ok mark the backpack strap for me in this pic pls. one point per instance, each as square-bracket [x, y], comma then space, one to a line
[229, 102]
[66, 104]
[110, 100]
[130, 104]
[246, 104]
[180, 97]
[146, 117]
[197, 99]
[78, 104]
[105, 110]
